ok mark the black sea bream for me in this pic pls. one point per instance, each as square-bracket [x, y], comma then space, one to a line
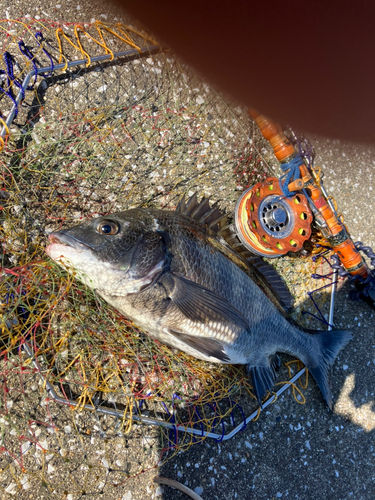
[174, 275]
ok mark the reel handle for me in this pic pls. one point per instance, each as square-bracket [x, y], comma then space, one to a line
[296, 185]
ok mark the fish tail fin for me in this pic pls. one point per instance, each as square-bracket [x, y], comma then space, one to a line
[328, 344]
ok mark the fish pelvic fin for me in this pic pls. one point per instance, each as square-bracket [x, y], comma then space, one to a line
[206, 346]
[263, 376]
[328, 345]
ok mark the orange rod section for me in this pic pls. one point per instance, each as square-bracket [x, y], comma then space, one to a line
[342, 243]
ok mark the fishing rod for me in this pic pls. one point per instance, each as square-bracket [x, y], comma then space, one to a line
[280, 215]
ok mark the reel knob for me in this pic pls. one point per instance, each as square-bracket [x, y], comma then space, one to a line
[275, 217]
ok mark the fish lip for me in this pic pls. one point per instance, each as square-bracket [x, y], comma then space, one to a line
[62, 238]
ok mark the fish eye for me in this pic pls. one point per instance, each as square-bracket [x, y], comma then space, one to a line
[108, 227]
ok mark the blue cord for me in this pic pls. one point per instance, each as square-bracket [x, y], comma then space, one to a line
[9, 94]
[27, 53]
[40, 38]
[293, 167]
[9, 72]
[8, 58]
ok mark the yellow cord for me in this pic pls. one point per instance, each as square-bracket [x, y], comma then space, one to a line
[59, 32]
[100, 26]
[102, 43]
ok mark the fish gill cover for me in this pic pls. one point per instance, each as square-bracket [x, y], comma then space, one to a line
[90, 139]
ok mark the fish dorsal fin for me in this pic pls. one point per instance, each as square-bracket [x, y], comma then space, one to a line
[202, 212]
[273, 280]
[217, 221]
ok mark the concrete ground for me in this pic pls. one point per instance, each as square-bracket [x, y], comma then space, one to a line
[296, 451]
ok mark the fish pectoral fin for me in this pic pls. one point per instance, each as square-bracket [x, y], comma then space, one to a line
[264, 376]
[206, 346]
[199, 304]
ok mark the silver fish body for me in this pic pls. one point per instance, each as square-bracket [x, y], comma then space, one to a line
[181, 282]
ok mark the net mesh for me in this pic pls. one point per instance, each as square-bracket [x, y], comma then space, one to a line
[88, 140]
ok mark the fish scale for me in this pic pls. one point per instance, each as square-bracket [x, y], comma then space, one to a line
[224, 278]
[179, 279]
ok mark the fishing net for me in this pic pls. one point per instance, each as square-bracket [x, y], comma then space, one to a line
[128, 126]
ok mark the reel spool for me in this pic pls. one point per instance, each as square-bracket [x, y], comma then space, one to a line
[270, 224]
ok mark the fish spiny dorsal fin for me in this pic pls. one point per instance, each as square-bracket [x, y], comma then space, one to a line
[228, 236]
[245, 254]
[203, 208]
[181, 205]
[228, 233]
[191, 205]
[214, 215]
[202, 212]
[217, 225]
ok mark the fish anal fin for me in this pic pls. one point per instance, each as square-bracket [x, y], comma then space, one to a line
[263, 377]
[275, 363]
[207, 346]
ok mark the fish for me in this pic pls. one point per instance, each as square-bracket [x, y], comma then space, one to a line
[184, 277]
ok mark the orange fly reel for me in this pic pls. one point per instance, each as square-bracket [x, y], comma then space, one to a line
[270, 224]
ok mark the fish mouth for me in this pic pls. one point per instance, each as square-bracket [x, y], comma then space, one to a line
[64, 239]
